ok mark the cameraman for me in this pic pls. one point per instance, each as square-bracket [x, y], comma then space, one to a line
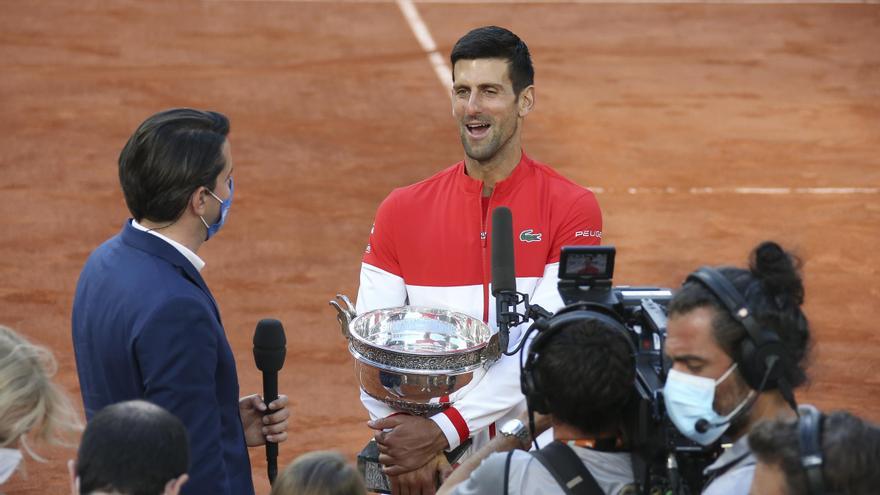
[847, 450]
[582, 369]
[737, 339]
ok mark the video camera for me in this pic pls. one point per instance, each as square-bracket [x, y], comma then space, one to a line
[664, 460]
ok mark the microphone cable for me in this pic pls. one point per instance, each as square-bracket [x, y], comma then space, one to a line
[702, 425]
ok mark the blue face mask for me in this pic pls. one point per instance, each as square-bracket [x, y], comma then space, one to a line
[224, 211]
[689, 399]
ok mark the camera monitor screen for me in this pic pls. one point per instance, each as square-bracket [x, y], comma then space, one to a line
[586, 262]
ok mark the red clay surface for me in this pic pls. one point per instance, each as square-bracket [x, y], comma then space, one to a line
[334, 104]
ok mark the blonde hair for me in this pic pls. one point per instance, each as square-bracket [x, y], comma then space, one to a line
[319, 473]
[29, 401]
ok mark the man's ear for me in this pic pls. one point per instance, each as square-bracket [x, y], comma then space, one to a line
[198, 201]
[173, 486]
[526, 101]
[74, 481]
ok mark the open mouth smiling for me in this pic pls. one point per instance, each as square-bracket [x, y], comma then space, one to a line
[478, 130]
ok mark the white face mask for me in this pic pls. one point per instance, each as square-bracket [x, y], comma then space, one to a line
[689, 400]
[9, 461]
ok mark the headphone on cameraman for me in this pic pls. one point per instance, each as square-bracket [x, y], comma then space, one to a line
[810, 443]
[761, 354]
[547, 329]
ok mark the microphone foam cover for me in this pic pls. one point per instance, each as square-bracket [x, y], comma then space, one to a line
[702, 426]
[269, 345]
[503, 266]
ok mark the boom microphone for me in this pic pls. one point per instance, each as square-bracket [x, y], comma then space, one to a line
[269, 351]
[702, 425]
[503, 277]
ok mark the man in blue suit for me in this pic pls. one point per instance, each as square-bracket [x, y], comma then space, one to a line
[145, 325]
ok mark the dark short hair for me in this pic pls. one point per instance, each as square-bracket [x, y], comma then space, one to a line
[169, 156]
[586, 372]
[497, 42]
[773, 289]
[850, 451]
[134, 448]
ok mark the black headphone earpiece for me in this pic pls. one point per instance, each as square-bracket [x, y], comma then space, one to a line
[529, 383]
[810, 438]
[761, 354]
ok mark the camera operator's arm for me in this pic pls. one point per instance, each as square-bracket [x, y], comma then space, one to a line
[501, 443]
[463, 472]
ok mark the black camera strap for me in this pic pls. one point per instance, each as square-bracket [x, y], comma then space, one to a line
[568, 469]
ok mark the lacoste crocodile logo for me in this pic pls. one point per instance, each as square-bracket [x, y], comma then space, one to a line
[528, 236]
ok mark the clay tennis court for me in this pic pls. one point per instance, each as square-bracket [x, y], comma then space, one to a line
[703, 128]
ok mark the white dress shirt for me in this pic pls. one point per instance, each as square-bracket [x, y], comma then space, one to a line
[185, 251]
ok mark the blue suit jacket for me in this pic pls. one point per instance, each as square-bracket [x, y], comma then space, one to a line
[145, 326]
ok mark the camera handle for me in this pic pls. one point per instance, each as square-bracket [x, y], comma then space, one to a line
[672, 471]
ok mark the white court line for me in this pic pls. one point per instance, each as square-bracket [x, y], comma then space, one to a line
[416, 24]
[411, 14]
[765, 191]
[565, 2]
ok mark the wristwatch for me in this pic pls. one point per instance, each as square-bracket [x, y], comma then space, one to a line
[515, 428]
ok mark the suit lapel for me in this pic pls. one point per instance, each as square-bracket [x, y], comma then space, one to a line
[158, 247]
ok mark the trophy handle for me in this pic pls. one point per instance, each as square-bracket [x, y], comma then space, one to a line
[349, 307]
[344, 315]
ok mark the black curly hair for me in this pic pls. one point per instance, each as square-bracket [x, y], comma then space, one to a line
[774, 291]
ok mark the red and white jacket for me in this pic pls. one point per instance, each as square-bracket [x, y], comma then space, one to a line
[430, 246]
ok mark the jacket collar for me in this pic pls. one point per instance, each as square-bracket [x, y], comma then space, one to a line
[520, 173]
[157, 247]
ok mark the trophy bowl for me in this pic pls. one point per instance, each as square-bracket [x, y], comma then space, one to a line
[412, 358]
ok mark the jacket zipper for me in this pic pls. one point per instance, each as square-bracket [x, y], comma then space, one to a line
[484, 240]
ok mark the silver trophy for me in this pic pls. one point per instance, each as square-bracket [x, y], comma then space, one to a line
[413, 358]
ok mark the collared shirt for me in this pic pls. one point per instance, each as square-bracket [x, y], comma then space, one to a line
[733, 471]
[185, 251]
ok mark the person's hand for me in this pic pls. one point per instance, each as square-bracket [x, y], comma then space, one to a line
[411, 443]
[423, 480]
[259, 426]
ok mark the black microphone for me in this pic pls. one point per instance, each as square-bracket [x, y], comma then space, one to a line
[503, 276]
[269, 351]
[702, 425]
